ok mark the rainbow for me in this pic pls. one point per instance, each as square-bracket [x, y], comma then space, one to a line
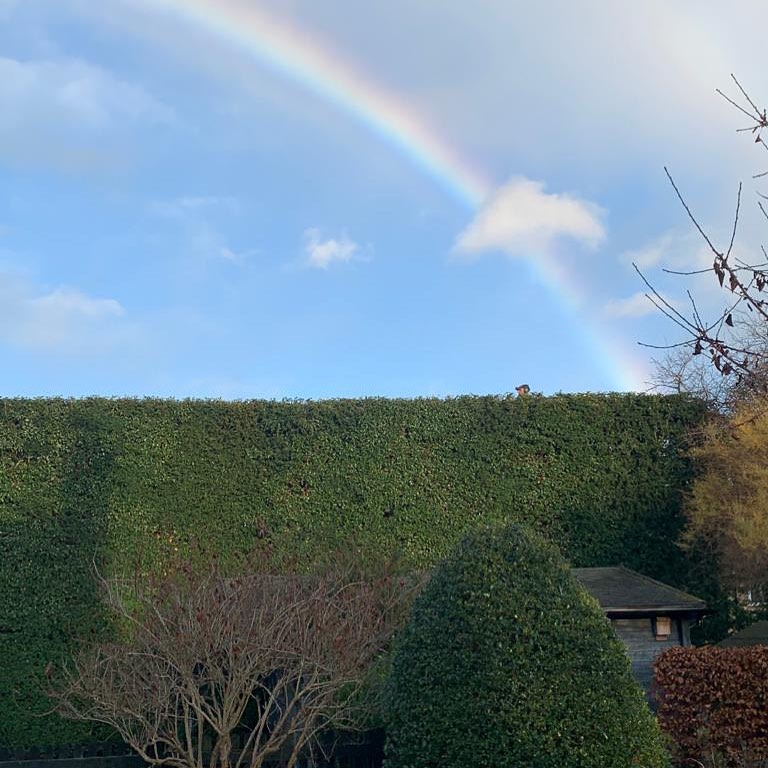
[294, 54]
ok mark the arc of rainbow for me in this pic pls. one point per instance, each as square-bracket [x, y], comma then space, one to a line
[297, 56]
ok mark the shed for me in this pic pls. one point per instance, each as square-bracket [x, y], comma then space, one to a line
[646, 615]
[754, 634]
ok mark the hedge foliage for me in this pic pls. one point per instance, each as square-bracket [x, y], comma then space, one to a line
[714, 701]
[508, 661]
[129, 481]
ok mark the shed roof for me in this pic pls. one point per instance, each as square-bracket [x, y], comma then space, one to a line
[622, 591]
[754, 634]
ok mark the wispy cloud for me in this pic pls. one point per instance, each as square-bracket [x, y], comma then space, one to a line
[63, 319]
[655, 252]
[636, 305]
[521, 218]
[687, 250]
[198, 202]
[322, 253]
[195, 215]
[229, 255]
[679, 266]
[64, 111]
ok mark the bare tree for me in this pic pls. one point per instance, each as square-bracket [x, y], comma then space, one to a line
[681, 371]
[197, 660]
[735, 342]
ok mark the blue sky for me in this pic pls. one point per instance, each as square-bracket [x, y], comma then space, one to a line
[181, 217]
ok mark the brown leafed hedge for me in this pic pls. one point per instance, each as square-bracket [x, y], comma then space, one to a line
[713, 702]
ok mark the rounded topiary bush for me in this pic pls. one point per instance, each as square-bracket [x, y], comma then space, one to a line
[507, 661]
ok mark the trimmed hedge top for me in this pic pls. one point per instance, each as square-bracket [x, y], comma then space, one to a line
[130, 481]
[507, 661]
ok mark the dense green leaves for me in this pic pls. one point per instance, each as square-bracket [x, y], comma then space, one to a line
[507, 661]
[129, 482]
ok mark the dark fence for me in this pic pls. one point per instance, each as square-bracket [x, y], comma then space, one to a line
[84, 756]
[366, 751]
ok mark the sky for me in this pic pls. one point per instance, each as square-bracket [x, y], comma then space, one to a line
[258, 199]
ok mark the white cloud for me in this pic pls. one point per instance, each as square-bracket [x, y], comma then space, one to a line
[190, 207]
[678, 263]
[322, 253]
[678, 250]
[69, 302]
[72, 90]
[67, 112]
[194, 203]
[636, 305]
[521, 217]
[204, 240]
[64, 319]
[653, 253]
[227, 254]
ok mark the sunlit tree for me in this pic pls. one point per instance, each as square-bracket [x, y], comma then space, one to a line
[727, 508]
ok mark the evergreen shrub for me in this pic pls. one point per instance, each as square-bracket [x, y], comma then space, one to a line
[507, 661]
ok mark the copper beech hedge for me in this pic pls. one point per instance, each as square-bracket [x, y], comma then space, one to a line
[713, 703]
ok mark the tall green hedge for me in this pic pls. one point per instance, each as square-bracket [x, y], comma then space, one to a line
[125, 482]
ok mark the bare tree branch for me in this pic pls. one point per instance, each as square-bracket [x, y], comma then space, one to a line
[736, 341]
[215, 670]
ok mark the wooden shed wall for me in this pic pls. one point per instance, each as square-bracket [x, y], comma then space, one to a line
[643, 647]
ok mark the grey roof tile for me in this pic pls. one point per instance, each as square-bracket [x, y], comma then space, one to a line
[754, 634]
[618, 589]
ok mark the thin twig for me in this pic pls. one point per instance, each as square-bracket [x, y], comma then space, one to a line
[734, 104]
[735, 223]
[666, 346]
[746, 96]
[690, 215]
[687, 274]
[681, 319]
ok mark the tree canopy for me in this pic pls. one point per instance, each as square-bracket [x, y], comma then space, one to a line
[727, 508]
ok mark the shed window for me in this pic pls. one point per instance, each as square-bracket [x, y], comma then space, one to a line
[662, 627]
